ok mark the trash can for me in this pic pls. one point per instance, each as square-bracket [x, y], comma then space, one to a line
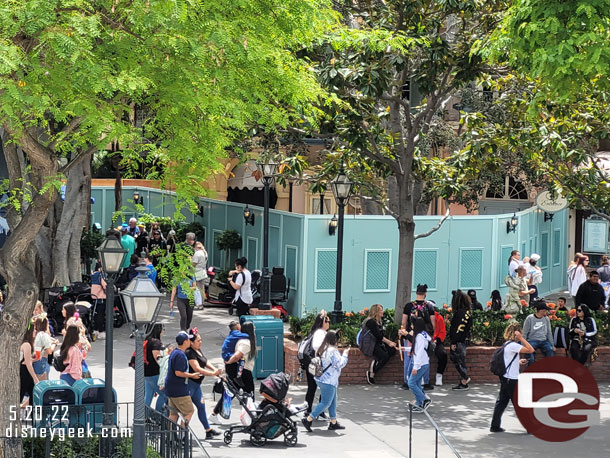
[270, 345]
[90, 396]
[53, 404]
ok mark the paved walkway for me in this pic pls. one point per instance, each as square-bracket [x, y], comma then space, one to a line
[376, 417]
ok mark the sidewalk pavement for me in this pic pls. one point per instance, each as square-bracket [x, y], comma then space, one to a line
[375, 417]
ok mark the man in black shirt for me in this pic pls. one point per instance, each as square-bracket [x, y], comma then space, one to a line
[591, 293]
[420, 307]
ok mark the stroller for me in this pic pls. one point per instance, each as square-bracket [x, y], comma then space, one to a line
[272, 417]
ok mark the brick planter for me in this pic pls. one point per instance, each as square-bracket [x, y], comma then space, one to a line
[477, 361]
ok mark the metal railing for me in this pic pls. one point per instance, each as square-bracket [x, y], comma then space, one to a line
[47, 430]
[437, 432]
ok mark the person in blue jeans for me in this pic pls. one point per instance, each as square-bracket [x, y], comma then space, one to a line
[537, 331]
[153, 351]
[332, 363]
[199, 363]
[421, 364]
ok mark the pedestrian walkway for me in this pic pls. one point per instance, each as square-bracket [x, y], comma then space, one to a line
[375, 417]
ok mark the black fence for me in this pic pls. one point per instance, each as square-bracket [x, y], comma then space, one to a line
[78, 431]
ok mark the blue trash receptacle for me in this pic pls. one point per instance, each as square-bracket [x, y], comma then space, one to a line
[54, 404]
[270, 345]
[90, 396]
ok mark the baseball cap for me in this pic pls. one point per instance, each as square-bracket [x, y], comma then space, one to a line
[124, 227]
[182, 337]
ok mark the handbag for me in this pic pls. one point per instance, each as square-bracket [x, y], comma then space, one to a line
[201, 274]
[198, 298]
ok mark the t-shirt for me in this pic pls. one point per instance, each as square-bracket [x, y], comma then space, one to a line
[191, 353]
[245, 292]
[243, 346]
[152, 368]
[152, 272]
[200, 260]
[42, 341]
[128, 243]
[176, 387]
[318, 338]
[510, 350]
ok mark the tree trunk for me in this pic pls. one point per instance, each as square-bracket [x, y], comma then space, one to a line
[66, 247]
[406, 243]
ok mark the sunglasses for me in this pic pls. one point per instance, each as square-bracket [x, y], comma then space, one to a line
[579, 310]
[327, 320]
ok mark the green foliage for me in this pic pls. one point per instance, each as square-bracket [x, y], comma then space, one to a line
[487, 326]
[228, 240]
[78, 448]
[566, 44]
[89, 242]
[195, 228]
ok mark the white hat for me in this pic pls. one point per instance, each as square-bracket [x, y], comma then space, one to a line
[535, 257]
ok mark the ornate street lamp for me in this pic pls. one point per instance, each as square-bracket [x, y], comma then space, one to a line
[268, 170]
[112, 254]
[342, 188]
[511, 226]
[248, 216]
[142, 302]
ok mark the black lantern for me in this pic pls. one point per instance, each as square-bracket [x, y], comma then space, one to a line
[342, 187]
[511, 226]
[248, 216]
[112, 254]
[548, 217]
[332, 225]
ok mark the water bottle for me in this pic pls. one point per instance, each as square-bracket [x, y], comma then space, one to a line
[171, 312]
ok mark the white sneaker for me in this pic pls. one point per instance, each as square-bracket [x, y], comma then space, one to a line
[439, 380]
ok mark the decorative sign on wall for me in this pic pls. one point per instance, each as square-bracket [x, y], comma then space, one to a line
[595, 238]
[549, 204]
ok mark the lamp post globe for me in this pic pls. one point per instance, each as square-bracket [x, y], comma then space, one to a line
[142, 302]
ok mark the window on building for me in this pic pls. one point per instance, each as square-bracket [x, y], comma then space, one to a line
[315, 206]
[512, 189]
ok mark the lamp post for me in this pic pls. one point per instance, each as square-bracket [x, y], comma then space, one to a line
[112, 254]
[268, 170]
[342, 189]
[142, 300]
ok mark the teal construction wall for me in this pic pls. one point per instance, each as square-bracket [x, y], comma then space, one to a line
[467, 252]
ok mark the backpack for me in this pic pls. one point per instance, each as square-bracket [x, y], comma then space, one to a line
[496, 365]
[366, 340]
[305, 352]
[58, 363]
[163, 368]
[315, 367]
[132, 361]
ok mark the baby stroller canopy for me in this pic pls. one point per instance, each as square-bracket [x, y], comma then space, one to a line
[276, 386]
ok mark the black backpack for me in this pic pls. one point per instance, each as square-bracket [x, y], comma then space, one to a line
[496, 365]
[305, 352]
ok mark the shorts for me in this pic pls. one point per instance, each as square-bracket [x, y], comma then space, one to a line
[183, 404]
[41, 366]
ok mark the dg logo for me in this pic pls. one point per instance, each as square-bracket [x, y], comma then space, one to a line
[557, 399]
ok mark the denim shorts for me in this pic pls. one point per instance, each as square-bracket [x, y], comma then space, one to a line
[41, 366]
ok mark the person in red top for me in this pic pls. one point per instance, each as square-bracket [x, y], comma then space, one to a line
[440, 332]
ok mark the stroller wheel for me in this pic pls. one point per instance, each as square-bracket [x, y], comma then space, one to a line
[258, 439]
[228, 437]
[291, 439]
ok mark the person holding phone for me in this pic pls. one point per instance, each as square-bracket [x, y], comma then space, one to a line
[516, 345]
[332, 363]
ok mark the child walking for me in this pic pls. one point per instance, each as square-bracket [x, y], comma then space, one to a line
[421, 365]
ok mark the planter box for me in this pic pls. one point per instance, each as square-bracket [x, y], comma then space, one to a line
[477, 361]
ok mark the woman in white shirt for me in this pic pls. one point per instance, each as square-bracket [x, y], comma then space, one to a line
[577, 275]
[200, 264]
[513, 262]
[514, 346]
[318, 332]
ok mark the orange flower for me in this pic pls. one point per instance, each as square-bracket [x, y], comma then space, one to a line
[488, 303]
[362, 312]
[551, 305]
[366, 309]
[450, 310]
[507, 316]
[523, 303]
[553, 312]
[445, 306]
[572, 313]
[486, 323]
[348, 314]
